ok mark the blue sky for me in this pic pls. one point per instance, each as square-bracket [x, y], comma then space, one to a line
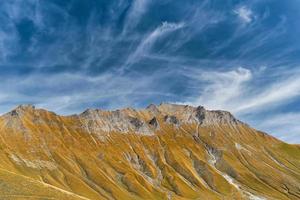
[241, 56]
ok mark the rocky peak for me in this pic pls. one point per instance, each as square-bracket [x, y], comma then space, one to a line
[125, 120]
[177, 114]
[25, 107]
[153, 109]
[21, 110]
[215, 117]
[89, 112]
[15, 118]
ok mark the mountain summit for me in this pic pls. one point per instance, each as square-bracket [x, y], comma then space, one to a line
[164, 151]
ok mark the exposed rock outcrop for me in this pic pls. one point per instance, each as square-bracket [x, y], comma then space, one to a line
[171, 119]
[98, 121]
[188, 114]
[21, 110]
[154, 123]
[129, 120]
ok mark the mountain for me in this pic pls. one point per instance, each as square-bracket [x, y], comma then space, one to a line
[164, 151]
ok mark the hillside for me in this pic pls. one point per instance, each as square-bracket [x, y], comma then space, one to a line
[161, 152]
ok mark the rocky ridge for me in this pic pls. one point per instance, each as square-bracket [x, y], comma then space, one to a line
[142, 121]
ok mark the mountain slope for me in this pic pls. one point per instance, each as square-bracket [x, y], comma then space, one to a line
[161, 152]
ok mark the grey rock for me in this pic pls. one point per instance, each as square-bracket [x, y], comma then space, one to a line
[154, 123]
[136, 122]
[171, 119]
[153, 109]
[200, 114]
[99, 122]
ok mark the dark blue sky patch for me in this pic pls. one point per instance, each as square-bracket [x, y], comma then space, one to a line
[26, 30]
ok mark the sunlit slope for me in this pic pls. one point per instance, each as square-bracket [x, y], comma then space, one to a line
[162, 152]
[15, 186]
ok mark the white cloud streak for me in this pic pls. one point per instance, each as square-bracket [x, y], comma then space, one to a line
[67, 93]
[149, 40]
[138, 8]
[274, 95]
[219, 88]
[235, 90]
[245, 14]
[285, 126]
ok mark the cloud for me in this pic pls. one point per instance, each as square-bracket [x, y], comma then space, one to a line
[136, 11]
[237, 91]
[149, 40]
[277, 93]
[68, 93]
[130, 53]
[285, 126]
[245, 14]
[218, 88]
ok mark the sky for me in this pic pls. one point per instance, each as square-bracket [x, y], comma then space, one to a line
[240, 56]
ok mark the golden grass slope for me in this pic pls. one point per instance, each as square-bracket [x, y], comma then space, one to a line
[162, 152]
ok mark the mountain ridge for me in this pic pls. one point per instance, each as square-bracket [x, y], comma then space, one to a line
[162, 107]
[167, 152]
[137, 120]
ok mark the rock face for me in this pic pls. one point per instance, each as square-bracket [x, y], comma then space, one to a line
[123, 121]
[164, 151]
[171, 119]
[189, 115]
[154, 122]
[130, 120]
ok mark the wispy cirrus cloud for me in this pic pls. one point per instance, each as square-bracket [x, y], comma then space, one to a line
[149, 40]
[80, 54]
[134, 16]
[217, 89]
[236, 90]
[285, 126]
[245, 14]
[69, 93]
